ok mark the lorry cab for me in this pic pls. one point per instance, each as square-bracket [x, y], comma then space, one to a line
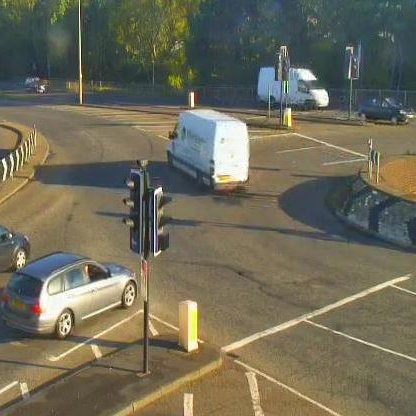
[305, 90]
[211, 147]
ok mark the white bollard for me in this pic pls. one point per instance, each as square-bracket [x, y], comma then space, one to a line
[188, 325]
[191, 99]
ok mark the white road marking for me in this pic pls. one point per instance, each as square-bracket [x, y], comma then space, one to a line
[271, 135]
[361, 341]
[253, 117]
[404, 290]
[299, 149]
[286, 387]
[293, 322]
[17, 344]
[152, 329]
[254, 392]
[54, 358]
[24, 390]
[340, 162]
[163, 137]
[175, 328]
[8, 387]
[188, 404]
[342, 149]
[153, 123]
[96, 351]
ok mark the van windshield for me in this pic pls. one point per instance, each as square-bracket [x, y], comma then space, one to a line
[314, 85]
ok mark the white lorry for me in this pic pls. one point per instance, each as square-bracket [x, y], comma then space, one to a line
[304, 89]
[211, 147]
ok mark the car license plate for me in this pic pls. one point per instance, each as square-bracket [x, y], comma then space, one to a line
[19, 305]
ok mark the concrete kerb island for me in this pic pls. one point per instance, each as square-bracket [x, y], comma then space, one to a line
[29, 153]
[382, 210]
[114, 385]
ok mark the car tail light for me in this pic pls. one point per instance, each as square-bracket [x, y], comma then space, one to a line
[37, 309]
[5, 297]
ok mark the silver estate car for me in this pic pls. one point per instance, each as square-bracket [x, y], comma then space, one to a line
[52, 294]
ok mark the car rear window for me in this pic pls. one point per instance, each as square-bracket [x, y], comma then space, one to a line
[24, 285]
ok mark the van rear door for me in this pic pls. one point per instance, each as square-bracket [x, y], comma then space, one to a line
[231, 153]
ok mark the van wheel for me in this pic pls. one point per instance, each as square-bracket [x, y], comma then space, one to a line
[362, 117]
[170, 163]
[393, 120]
[200, 180]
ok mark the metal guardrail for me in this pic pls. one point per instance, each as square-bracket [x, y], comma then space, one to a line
[14, 161]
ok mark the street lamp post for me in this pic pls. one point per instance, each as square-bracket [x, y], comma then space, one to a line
[79, 51]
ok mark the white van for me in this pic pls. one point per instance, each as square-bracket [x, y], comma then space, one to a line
[304, 88]
[212, 147]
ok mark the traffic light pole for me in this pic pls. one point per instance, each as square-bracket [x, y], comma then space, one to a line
[146, 255]
[350, 102]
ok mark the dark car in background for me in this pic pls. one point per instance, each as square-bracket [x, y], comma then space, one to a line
[37, 85]
[382, 109]
[54, 293]
[14, 249]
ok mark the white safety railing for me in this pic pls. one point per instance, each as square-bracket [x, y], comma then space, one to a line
[14, 161]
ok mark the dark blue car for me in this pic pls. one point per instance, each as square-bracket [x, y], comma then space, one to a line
[14, 249]
[382, 109]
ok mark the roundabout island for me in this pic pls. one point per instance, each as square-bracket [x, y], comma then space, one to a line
[387, 209]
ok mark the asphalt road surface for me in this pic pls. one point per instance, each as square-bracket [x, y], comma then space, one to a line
[292, 295]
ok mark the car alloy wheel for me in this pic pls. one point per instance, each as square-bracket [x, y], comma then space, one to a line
[129, 295]
[20, 260]
[64, 325]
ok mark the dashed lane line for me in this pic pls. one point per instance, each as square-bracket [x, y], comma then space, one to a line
[96, 351]
[55, 358]
[254, 392]
[152, 329]
[404, 290]
[8, 387]
[188, 404]
[286, 387]
[24, 391]
[361, 341]
[342, 149]
[293, 322]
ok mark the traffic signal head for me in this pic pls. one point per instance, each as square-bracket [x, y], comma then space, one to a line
[160, 238]
[355, 67]
[285, 68]
[135, 183]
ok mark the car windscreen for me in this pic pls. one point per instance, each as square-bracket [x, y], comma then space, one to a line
[392, 102]
[23, 285]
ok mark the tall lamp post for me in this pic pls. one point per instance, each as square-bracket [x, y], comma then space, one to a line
[79, 51]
